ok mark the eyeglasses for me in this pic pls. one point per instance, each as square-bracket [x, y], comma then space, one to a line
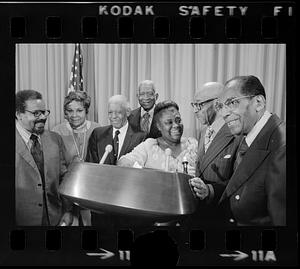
[199, 106]
[231, 103]
[38, 113]
[146, 94]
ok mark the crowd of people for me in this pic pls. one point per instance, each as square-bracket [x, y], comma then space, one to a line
[237, 165]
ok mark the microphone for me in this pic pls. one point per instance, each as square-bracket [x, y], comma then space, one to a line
[108, 149]
[168, 153]
[185, 165]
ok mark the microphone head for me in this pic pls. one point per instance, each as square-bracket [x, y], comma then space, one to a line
[184, 159]
[168, 152]
[108, 148]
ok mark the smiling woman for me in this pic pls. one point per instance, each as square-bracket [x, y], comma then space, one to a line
[76, 130]
[170, 150]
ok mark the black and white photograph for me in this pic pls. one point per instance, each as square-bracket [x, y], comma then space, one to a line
[148, 134]
[150, 130]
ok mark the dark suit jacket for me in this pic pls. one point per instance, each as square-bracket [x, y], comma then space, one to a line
[98, 140]
[134, 120]
[215, 167]
[28, 182]
[256, 191]
[102, 136]
[216, 164]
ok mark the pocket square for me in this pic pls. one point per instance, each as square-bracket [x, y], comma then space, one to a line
[227, 156]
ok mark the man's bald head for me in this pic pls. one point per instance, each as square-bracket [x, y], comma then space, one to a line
[208, 91]
[204, 102]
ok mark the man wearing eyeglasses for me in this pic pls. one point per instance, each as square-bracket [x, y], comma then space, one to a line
[141, 119]
[256, 192]
[40, 165]
[216, 152]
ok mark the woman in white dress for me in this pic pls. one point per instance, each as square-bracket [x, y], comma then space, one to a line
[153, 153]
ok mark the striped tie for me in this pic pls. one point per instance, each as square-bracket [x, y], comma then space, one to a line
[208, 137]
[145, 122]
[240, 153]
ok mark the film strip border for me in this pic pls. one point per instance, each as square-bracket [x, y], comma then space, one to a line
[192, 22]
[254, 247]
[150, 22]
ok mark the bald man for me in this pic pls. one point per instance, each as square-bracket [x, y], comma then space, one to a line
[216, 152]
[141, 119]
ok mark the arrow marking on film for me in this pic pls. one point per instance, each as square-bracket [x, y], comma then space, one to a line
[107, 254]
[237, 257]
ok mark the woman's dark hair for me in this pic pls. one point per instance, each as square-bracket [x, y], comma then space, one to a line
[162, 106]
[78, 96]
[25, 95]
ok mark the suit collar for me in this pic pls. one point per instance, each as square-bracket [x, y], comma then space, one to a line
[220, 141]
[257, 128]
[143, 111]
[135, 118]
[253, 158]
[127, 141]
[107, 139]
[23, 151]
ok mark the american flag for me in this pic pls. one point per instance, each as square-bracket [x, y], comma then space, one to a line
[76, 80]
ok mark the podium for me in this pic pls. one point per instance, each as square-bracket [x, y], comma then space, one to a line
[146, 192]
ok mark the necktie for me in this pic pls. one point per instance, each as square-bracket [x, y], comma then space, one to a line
[240, 153]
[145, 122]
[208, 137]
[116, 145]
[37, 154]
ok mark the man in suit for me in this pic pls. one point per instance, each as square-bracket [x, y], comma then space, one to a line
[120, 135]
[141, 119]
[216, 151]
[40, 166]
[256, 192]
[118, 111]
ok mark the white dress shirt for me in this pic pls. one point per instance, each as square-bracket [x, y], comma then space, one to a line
[26, 135]
[122, 134]
[257, 128]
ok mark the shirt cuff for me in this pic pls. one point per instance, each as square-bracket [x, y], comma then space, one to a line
[211, 194]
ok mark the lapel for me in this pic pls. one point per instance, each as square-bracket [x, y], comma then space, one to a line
[23, 151]
[220, 141]
[253, 158]
[201, 144]
[136, 118]
[127, 141]
[47, 147]
[104, 141]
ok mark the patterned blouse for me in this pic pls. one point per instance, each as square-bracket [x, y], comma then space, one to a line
[149, 154]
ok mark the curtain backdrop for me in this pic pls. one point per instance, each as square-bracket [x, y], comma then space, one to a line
[177, 70]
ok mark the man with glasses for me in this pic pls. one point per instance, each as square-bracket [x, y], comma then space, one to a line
[141, 119]
[40, 166]
[256, 192]
[216, 152]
